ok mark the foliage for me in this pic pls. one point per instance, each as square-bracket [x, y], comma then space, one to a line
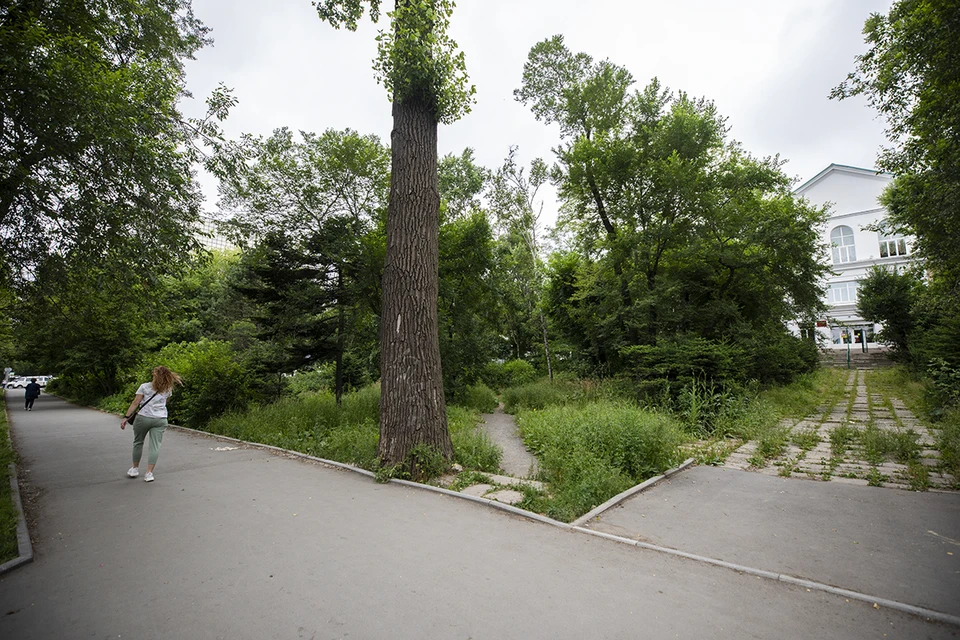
[674, 235]
[94, 155]
[214, 382]
[888, 298]
[909, 74]
[312, 423]
[416, 58]
[589, 454]
[539, 395]
[8, 512]
[480, 397]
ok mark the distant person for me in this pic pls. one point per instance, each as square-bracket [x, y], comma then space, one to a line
[31, 394]
[151, 399]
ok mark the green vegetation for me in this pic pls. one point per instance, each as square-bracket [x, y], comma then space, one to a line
[314, 424]
[480, 397]
[589, 454]
[8, 512]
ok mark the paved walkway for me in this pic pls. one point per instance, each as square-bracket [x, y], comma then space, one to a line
[502, 429]
[899, 545]
[832, 444]
[241, 543]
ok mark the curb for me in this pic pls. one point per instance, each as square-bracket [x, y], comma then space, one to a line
[928, 614]
[24, 547]
[632, 491]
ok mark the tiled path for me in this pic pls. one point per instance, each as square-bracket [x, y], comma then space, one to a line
[830, 445]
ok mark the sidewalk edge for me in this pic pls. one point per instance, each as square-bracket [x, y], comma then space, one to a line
[811, 585]
[24, 546]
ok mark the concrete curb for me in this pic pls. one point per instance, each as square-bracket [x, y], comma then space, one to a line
[406, 483]
[921, 612]
[24, 547]
[632, 491]
[811, 585]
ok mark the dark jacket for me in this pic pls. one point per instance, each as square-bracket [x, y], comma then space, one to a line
[32, 391]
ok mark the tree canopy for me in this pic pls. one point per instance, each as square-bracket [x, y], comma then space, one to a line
[911, 75]
[95, 158]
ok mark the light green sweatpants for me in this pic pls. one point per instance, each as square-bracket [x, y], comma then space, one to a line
[155, 428]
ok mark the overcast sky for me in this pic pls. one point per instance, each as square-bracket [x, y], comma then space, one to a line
[768, 65]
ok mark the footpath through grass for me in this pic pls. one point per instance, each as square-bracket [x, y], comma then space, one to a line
[8, 512]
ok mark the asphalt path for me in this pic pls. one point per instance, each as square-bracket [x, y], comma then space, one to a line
[889, 543]
[243, 543]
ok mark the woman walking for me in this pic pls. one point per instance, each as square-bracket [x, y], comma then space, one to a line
[151, 421]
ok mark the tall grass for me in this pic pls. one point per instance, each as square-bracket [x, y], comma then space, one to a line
[8, 512]
[315, 425]
[590, 453]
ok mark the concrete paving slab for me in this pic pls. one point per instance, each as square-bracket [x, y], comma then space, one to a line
[249, 544]
[900, 545]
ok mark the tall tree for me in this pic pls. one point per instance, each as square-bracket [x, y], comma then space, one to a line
[911, 75]
[426, 79]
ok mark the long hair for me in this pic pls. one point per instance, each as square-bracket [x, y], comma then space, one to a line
[164, 379]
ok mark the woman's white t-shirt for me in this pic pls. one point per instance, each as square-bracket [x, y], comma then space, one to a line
[156, 408]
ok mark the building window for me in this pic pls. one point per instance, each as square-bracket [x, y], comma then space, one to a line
[841, 238]
[842, 293]
[891, 247]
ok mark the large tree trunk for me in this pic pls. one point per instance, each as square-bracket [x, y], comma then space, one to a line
[412, 407]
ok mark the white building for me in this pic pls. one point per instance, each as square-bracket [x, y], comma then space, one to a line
[853, 194]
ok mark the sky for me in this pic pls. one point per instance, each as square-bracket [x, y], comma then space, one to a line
[768, 65]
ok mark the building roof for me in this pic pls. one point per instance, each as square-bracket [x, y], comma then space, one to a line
[832, 167]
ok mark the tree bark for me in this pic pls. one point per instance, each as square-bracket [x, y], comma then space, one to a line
[412, 406]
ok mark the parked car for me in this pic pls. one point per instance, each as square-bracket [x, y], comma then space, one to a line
[22, 381]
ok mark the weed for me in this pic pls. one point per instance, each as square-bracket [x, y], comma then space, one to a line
[772, 443]
[875, 478]
[590, 453]
[806, 439]
[468, 479]
[840, 438]
[918, 476]
[711, 452]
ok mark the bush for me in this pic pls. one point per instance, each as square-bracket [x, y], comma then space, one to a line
[589, 454]
[539, 395]
[519, 372]
[319, 378]
[480, 398]
[214, 383]
[315, 425]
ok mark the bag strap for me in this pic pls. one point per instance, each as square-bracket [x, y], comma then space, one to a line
[143, 404]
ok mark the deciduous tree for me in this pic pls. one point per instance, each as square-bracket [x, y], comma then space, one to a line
[426, 79]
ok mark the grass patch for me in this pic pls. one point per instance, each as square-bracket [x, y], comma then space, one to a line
[880, 445]
[948, 441]
[8, 512]
[822, 388]
[711, 452]
[315, 425]
[588, 454]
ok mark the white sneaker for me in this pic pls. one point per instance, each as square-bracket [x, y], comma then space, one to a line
[148, 477]
[133, 472]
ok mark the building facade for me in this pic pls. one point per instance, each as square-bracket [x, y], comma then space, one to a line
[853, 248]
